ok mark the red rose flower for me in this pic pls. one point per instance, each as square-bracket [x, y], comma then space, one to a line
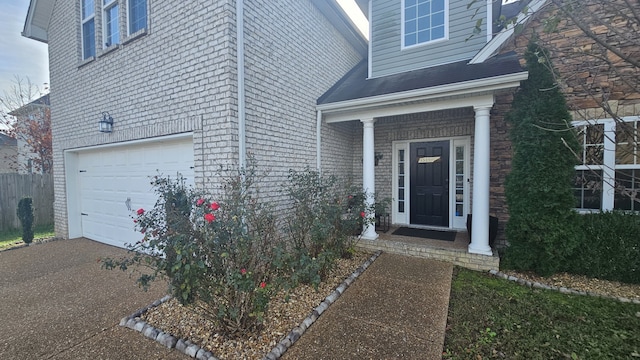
[209, 217]
[215, 206]
[140, 211]
[243, 271]
[263, 285]
[362, 214]
[199, 202]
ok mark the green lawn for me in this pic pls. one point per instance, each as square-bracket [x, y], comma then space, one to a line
[494, 318]
[14, 236]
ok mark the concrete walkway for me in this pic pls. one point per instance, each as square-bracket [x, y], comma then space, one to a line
[396, 309]
[56, 303]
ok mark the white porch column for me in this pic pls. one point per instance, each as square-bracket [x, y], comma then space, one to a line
[481, 176]
[368, 177]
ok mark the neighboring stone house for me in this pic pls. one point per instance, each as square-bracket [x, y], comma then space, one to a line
[416, 116]
[8, 153]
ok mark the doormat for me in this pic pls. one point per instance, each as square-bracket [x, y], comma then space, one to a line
[426, 234]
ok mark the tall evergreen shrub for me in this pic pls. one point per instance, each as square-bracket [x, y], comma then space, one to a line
[25, 214]
[541, 228]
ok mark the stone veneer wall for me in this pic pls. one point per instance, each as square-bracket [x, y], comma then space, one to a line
[586, 86]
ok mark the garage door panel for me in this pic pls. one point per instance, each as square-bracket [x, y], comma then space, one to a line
[110, 176]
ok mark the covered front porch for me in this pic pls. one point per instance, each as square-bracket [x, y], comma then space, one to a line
[433, 128]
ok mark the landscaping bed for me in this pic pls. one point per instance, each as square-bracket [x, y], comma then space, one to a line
[286, 310]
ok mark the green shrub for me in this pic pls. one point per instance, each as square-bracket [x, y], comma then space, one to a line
[540, 229]
[25, 214]
[324, 216]
[212, 251]
[232, 253]
[610, 247]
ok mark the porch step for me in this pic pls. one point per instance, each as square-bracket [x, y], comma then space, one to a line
[456, 256]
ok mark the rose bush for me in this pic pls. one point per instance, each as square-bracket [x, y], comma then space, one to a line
[229, 251]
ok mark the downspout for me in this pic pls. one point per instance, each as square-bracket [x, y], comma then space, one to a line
[242, 145]
[319, 140]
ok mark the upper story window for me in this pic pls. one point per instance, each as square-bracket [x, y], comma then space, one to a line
[137, 12]
[111, 25]
[609, 175]
[424, 21]
[88, 29]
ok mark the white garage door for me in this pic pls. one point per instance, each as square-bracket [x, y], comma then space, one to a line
[116, 181]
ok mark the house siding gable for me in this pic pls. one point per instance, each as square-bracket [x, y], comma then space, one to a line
[387, 55]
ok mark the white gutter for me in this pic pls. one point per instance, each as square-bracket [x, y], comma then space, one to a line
[319, 140]
[460, 88]
[242, 145]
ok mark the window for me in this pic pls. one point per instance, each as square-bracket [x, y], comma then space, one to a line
[401, 199]
[88, 29]
[609, 176]
[137, 15]
[459, 173]
[424, 21]
[111, 25]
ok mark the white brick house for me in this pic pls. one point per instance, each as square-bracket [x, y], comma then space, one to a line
[417, 114]
[167, 72]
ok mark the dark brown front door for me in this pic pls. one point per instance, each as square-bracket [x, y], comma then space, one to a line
[430, 183]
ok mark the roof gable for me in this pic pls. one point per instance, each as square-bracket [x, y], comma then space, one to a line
[36, 25]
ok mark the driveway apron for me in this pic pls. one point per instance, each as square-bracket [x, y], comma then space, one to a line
[57, 303]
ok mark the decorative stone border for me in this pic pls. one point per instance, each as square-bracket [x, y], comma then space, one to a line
[297, 332]
[561, 289]
[186, 347]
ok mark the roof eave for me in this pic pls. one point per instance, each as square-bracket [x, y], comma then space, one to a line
[455, 89]
[38, 29]
[343, 23]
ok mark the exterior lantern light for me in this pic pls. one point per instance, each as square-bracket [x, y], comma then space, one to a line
[106, 124]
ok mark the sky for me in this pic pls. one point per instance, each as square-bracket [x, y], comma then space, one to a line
[20, 56]
[28, 59]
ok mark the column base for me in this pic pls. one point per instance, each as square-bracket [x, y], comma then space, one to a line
[369, 233]
[481, 250]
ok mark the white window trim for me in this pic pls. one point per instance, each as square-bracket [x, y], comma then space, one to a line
[83, 21]
[402, 32]
[609, 165]
[105, 8]
[129, 33]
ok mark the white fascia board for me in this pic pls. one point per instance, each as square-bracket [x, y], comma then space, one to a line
[485, 100]
[456, 89]
[496, 43]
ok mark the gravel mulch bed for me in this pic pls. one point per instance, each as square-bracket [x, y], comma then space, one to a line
[583, 283]
[286, 311]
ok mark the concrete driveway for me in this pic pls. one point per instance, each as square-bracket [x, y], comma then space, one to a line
[56, 303]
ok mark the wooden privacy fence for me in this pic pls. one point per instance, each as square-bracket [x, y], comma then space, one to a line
[14, 187]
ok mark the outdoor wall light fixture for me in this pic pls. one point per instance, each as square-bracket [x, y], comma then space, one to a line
[378, 157]
[106, 124]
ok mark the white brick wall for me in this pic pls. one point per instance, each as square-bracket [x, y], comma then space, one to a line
[293, 56]
[181, 77]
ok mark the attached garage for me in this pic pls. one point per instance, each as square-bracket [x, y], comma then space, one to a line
[107, 184]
